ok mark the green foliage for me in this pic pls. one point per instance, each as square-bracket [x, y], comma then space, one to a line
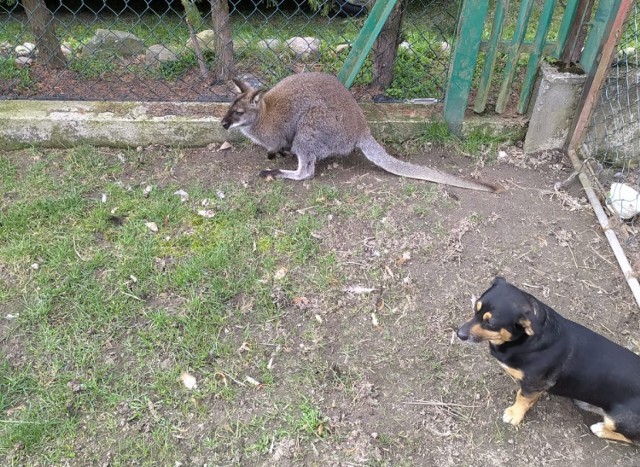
[92, 67]
[18, 76]
[173, 70]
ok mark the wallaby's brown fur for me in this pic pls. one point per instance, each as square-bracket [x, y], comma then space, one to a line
[314, 116]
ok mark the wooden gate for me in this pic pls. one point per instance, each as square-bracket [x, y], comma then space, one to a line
[475, 34]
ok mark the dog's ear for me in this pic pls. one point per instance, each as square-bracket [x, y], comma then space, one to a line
[499, 280]
[531, 320]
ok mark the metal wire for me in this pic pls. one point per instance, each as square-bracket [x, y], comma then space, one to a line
[260, 34]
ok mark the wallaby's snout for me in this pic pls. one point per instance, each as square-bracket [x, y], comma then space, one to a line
[226, 123]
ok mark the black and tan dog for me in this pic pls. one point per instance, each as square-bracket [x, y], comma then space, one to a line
[546, 352]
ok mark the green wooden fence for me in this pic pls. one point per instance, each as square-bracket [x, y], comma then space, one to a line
[475, 34]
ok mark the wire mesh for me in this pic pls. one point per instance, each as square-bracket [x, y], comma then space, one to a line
[142, 50]
[612, 137]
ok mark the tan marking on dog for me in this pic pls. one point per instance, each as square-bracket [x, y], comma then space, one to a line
[513, 372]
[526, 324]
[515, 413]
[495, 337]
[487, 316]
[607, 430]
[478, 305]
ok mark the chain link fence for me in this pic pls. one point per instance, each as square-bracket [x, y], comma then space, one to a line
[612, 137]
[144, 49]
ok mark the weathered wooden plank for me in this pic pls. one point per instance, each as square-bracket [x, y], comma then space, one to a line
[513, 54]
[463, 63]
[480, 103]
[605, 15]
[534, 57]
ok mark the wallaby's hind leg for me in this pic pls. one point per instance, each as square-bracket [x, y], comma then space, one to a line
[306, 170]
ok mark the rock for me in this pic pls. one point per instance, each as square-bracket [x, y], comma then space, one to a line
[25, 49]
[445, 47]
[342, 48]
[157, 54]
[5, 49]
[66, 49]
[270, 44]
[105, 42]
[206, 40]
[23, 61]
[405, 45]
[303, 47]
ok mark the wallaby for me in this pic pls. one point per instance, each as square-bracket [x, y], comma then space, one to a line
[313, 116]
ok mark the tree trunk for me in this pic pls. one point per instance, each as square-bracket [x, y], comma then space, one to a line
[44, 30]
[223, 40]
[385, 48]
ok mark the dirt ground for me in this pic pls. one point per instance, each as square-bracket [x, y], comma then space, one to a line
[385, 367]
[418, 395]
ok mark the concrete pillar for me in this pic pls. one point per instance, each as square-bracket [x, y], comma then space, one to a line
[553, 109]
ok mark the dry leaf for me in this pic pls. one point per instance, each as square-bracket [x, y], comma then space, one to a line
[147, 191]
[301, 302]
[406, 256]
[252, 381]
[208, 213]
[152, 226]
[358, 289]
[184, 196]
[280, 273]
[188, 380]
[224, 146]
[374, 320]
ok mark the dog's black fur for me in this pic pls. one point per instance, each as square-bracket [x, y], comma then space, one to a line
[547, 352]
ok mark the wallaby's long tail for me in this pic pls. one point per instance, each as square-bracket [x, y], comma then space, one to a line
[379, 156]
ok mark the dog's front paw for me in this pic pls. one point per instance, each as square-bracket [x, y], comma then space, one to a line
[513, 415]
[598, 429]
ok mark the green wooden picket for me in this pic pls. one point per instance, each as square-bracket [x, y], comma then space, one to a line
[513, 54]
[363, 43]
[502, 7]
[534, 57]
[605, 14]
[463, 62]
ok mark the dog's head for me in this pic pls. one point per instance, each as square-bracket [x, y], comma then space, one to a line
[503, 314]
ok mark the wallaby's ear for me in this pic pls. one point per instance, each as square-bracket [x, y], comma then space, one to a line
[240, 86]
[257, 97]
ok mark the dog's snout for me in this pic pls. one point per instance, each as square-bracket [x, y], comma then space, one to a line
[462, 334]
[464, 331]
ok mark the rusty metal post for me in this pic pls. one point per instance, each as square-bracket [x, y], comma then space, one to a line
[597, 76]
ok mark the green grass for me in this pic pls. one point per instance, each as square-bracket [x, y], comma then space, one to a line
[479, 142]
[98, 313]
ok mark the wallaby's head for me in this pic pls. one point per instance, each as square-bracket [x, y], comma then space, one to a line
[245, 108]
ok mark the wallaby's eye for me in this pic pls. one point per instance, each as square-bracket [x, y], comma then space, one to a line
[239, 112]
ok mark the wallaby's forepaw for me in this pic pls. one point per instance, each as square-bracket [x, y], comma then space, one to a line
[273, 173]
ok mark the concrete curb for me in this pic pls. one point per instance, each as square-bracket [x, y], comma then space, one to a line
[130, 124]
